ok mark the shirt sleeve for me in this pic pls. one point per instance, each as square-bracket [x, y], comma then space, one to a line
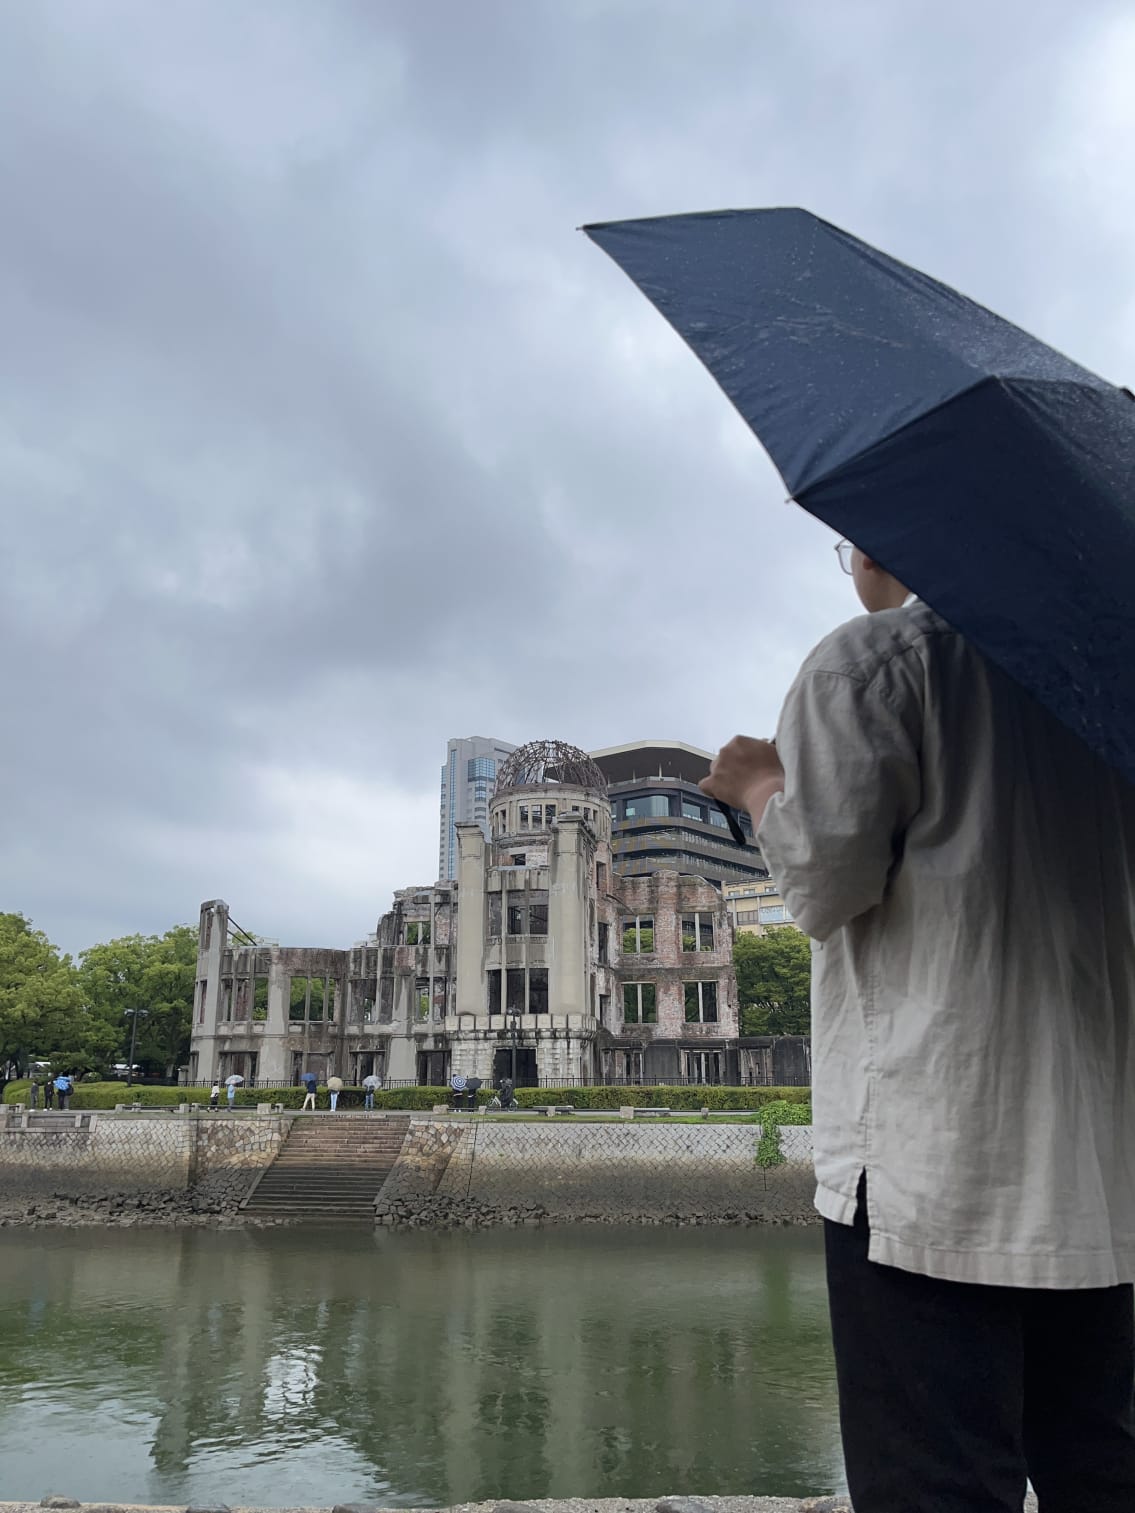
[852, 784]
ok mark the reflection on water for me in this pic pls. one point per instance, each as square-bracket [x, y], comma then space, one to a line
[292, 1366]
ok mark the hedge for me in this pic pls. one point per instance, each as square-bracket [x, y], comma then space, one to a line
[786, 1112]
[104, 1095]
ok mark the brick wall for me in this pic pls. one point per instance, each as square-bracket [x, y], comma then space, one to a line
[667, 898]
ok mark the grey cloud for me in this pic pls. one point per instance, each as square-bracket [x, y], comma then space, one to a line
[324, 434]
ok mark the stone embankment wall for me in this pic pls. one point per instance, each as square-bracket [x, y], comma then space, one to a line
[650, 1172]
[449, 1172]
[83, 1154]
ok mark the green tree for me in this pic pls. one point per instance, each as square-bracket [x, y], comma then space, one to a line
[153, 976]
[774, 980]
[40, 1001]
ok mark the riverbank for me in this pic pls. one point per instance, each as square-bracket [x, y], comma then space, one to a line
[680, 1504]
[127, 1210]
[677, 1504]
[189, 1211]
[185, 1169]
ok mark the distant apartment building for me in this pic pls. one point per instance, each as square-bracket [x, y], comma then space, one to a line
[467, 782]
[661, 820]
[756, 908]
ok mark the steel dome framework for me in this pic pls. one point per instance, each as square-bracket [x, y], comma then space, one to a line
[544, 763]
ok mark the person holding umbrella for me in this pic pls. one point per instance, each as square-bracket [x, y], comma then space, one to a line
[948, 810]
[334, 1087]
[310, 1088]
[231, 1084]
[965, 866]
[370, 1086]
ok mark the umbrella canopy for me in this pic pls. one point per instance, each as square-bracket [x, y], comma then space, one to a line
[989, 473]
[234, 1081]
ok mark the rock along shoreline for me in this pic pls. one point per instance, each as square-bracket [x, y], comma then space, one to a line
[196, 1210]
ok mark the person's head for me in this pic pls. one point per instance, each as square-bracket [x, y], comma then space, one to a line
[877, 588]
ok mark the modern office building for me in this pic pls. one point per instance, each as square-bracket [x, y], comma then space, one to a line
[661, 820]
[467, 782]
[755, 908]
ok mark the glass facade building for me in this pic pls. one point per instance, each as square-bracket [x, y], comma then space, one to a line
[467, 782]
[661, 820]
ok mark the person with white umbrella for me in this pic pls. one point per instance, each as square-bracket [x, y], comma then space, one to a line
[369, 1085]
[232, 1083]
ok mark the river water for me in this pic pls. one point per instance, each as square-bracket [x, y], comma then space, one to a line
[319, 1365]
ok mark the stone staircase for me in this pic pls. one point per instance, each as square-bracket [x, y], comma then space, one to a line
[331, 1166]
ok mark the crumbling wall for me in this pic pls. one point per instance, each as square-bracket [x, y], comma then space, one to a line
[667, 898]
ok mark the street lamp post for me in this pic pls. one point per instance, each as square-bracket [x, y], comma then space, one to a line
[133, 1013]
[514, 1031]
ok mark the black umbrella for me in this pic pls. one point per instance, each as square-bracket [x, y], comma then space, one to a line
[990, 474]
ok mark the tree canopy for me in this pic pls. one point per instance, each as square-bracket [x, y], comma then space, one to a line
[40, 1002]
[80, 1017]
[774, 981]
[152, 975]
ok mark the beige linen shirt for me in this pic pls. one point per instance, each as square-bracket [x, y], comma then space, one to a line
[964, 867]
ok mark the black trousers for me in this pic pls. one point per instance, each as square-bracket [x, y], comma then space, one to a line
[950, 1394]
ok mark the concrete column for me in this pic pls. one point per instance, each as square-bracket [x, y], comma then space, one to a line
[469, 957]
[211, 943]
[569, 892]
[275, 1048]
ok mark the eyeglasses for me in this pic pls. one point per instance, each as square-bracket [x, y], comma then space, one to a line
[843, 550]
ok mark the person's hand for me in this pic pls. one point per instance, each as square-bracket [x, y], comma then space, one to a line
[745, 774]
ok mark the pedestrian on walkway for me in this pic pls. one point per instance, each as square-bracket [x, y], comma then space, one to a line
[334, 1087]
[369, 1085]
[311, 1086]
[63, 1090]
[48, 1092]
[215, 1095]
[966, 868]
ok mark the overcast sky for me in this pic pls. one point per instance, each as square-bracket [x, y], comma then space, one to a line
[325, 436]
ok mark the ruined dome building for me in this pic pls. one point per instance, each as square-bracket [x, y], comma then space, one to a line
[537, 950]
